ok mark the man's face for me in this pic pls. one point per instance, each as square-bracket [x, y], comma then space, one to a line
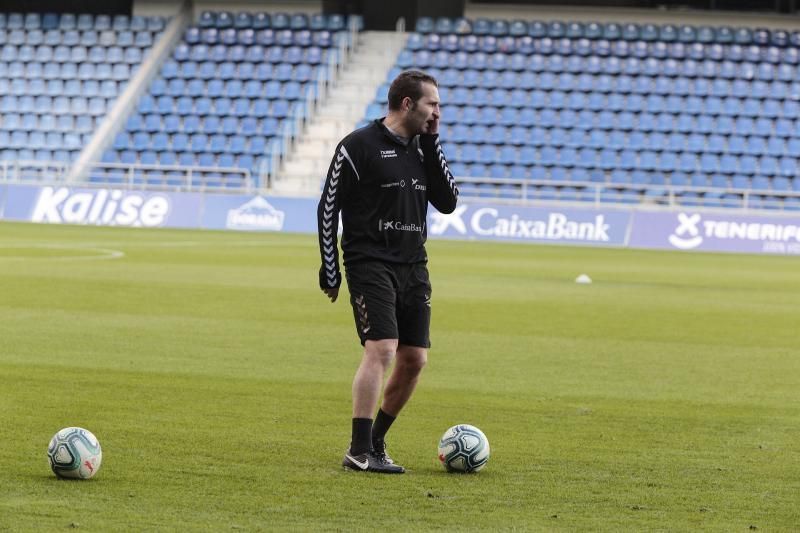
[423, 115]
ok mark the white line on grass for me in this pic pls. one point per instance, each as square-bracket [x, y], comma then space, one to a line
[158, 244]
[97, 253]
[187, 244]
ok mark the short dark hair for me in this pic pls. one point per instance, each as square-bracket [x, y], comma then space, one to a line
[408, 83]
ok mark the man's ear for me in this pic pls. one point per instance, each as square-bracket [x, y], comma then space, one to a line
[407, 103]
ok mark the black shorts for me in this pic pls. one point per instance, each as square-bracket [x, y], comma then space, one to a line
[391, 301]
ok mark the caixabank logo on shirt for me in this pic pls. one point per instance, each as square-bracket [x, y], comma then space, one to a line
[399, 225]
[530, 224]
[106, 207]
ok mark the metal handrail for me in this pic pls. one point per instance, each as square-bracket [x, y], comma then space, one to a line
[131, 176]
[517, 191]
[525, 191]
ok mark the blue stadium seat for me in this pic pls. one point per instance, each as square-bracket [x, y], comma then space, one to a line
[759, 183]
[424, 25]
[167, 158]
[739, 181]
[171, 123]
[148, 157]
[768, 165]
[179, 142]
[140, 141]
[210, 125]
[127, 157]
[781, 184]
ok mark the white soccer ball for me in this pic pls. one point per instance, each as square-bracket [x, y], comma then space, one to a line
[463, 448]
[74, 453]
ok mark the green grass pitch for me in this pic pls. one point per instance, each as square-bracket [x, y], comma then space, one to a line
[664, 396]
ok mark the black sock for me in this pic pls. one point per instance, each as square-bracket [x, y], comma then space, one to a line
[383, 422]
[361, 441]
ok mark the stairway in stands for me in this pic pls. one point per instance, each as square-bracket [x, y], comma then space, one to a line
[340, 112]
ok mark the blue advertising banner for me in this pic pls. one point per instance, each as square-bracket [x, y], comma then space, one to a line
[102, 207]
[679, 230]
[19, 201]
[117, 207]
[531, 224]
[715, 232]
[258, 213]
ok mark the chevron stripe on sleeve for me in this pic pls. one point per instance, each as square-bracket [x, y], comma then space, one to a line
[445, 169]
[328, 222]
[443, 190]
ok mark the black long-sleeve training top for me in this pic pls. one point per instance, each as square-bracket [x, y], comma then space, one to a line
[382, 187]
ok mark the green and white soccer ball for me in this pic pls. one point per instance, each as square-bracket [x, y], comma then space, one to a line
[463, 448]
[74, 453]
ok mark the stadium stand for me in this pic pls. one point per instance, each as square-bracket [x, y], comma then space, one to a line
[231, 96]
[59, 74]
[370, 59]
[534, 110]
[622, 113]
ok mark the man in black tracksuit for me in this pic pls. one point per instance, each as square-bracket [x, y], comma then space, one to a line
[381, 179]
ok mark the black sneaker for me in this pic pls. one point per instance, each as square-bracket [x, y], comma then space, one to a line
[379, 448]
[370, 462]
